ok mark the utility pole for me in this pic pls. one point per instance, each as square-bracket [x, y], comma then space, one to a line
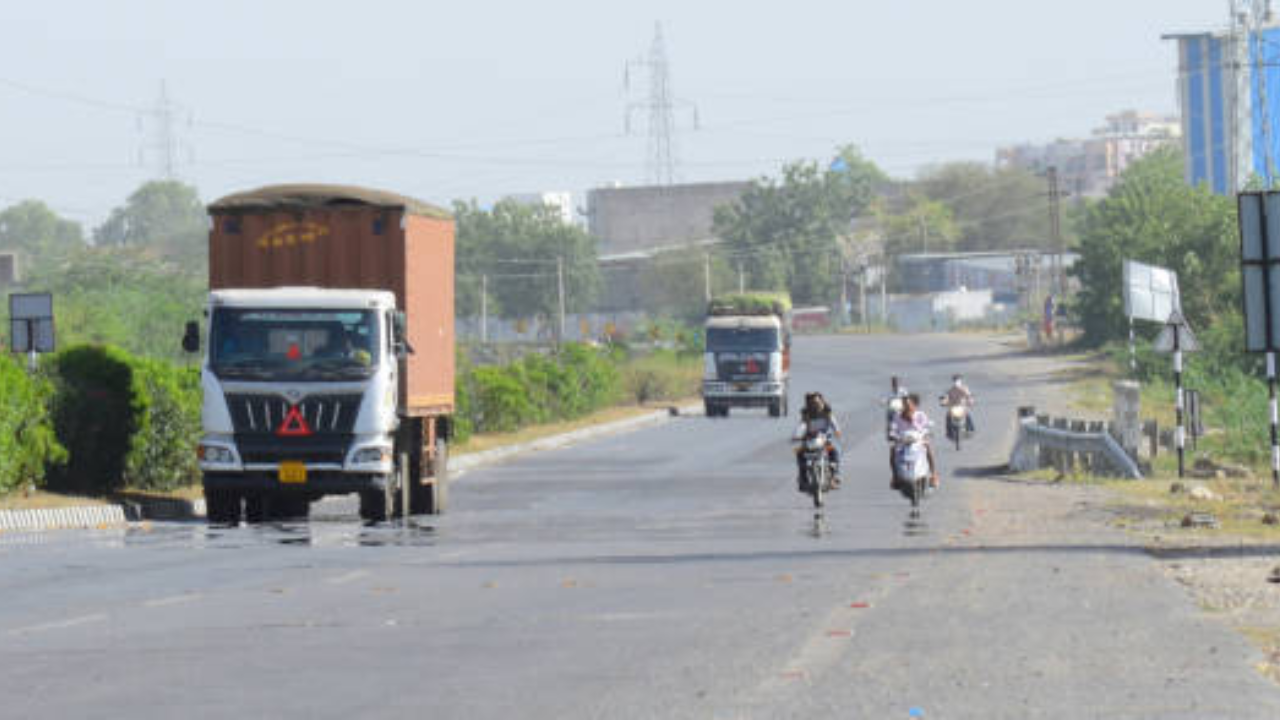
[844, 292]
[862, 297]
[742, 279]
[924, 236]
[484, 309]
[706, 276]
[1055, 228]
[661, 164]
[560, 290]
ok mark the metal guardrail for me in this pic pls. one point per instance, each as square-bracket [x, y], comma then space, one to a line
[1065, 448]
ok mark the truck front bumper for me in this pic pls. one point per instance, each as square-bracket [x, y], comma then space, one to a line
[751, 394]
[318, 482]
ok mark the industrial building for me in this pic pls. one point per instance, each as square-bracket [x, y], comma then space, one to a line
[645, 218]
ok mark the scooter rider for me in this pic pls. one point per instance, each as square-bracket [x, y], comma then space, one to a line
[897, 393]
[959, 394]
[817, 417]
[912, 418]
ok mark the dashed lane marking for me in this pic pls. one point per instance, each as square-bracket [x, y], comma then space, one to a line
[60, 624]
[171, 600]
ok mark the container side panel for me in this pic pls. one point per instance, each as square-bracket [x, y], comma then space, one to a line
[429, 248]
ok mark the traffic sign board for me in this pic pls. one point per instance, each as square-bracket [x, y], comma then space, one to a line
[1176, 335]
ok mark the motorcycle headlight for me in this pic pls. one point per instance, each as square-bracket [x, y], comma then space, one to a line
[896, 405]
[957, 412]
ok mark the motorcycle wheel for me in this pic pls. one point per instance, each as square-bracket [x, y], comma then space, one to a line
[817, 483]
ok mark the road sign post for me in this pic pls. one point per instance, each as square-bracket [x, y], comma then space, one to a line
[1259, 214]
[31, 325]
[1177, 338]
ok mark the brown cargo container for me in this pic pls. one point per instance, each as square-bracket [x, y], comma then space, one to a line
[350, 238]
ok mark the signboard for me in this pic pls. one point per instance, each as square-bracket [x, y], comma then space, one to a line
[1176, 329]
[1150, 292]
[31, 322]
[1260, 269]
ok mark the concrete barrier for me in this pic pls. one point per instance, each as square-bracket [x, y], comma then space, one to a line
[89, 516]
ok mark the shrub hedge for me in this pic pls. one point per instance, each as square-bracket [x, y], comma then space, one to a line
[27, 439]
[124, 421]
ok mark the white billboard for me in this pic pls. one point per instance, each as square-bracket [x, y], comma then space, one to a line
[1150, 292]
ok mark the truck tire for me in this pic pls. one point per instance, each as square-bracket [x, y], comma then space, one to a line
[379, 505]
[433, 499]
[775, 407]
[255, 508]
[713, 410]
[222, 507]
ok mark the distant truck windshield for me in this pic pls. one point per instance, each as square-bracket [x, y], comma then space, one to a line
[739, 339]
[302, 345]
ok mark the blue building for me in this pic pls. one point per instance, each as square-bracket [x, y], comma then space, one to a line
[1229, 91]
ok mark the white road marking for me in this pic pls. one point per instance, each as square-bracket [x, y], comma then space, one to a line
[171, 600]
[60, 624]
[347, 577]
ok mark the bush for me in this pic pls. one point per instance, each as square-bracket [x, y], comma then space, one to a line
[661, 376]
[162, 452]
[500, 402]
[27, 440]
[96, 410]
[124, 420]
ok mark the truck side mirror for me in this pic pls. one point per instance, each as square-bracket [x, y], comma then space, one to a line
[400, 332]
[191, 338]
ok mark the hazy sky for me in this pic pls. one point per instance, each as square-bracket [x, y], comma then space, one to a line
[476, 98]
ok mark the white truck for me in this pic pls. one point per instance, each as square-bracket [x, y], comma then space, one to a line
[748, 353]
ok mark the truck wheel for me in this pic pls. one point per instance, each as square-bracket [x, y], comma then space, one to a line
[255, 508]
[222, 507]
[433, 499]
[775, 407]
[374, 505]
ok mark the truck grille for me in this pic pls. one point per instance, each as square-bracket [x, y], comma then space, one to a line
[329, 449]
[742, 366]
[265, 414]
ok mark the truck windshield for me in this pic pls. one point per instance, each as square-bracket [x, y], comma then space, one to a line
[285, 344]
[736, 339]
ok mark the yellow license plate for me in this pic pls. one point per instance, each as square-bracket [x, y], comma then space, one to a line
[294, 473]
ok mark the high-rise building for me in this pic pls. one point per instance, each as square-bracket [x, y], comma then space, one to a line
[1229, 91]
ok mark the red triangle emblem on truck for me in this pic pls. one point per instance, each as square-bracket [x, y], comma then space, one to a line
[294, 425]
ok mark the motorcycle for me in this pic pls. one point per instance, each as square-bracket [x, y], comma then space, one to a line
[893, 408]
[817, 472]
[911, 464]
[957, 421]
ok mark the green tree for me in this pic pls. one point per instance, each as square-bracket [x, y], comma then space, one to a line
[164, 216]
[993, 208]
[923, 226]
[790, 232]
[517, 247]
[37, 232]
[1153, 216]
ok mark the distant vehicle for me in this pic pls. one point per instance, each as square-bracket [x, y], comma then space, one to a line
[330, 359]
[957, 421]
[811, 318]
[748, 353]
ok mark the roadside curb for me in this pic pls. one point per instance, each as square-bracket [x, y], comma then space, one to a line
[65, 518]
[135, 510]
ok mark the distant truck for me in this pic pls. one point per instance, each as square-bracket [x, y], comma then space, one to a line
[330, 359]
[748, 353]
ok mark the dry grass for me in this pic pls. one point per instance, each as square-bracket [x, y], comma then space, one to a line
[1239, 510]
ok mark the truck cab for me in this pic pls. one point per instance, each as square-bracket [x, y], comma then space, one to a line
[747, 361]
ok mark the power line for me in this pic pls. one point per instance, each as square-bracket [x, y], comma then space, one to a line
[661, 165]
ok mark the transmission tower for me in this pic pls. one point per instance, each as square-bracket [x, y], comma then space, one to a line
[661, 165]
[162, 144]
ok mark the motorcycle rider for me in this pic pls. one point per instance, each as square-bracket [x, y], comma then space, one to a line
[817, 417]
[912, 418]
[959, 394]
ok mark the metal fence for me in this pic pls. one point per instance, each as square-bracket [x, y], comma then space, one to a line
[1068, 445]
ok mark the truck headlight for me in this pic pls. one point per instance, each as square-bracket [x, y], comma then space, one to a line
[371, 456]
[216, 455]
[775, 366]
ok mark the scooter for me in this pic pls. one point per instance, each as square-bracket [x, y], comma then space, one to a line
[911, 464]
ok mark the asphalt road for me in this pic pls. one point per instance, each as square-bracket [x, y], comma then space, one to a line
[673, 572]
